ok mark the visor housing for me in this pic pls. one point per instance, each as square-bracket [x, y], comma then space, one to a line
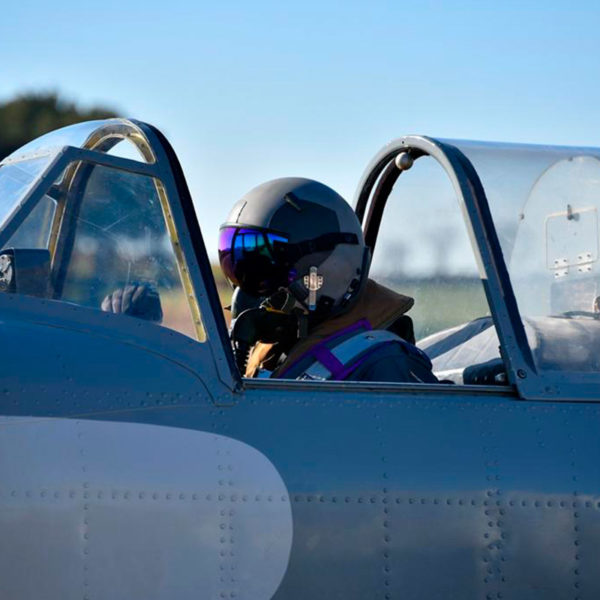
[254, 259]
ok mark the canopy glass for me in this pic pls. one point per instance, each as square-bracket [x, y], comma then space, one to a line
[101, 135]
[89, 203]
[544, 201]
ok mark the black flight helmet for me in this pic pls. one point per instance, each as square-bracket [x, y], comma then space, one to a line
[296, 234]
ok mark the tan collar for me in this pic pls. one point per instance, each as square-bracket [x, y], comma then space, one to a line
[378, 304]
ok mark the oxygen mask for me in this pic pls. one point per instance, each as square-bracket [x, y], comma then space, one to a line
[277, 320]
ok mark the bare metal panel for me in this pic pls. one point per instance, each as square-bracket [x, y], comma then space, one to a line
[121, 510]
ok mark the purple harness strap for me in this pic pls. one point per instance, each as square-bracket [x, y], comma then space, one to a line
[323, 354]
[329, 361]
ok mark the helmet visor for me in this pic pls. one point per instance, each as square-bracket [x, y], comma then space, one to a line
[256, 260]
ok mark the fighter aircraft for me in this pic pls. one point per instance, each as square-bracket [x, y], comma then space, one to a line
[136, 462]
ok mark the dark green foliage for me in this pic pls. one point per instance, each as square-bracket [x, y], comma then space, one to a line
[30, 115]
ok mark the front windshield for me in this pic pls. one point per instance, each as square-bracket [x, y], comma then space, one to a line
[118, 239]
[101, 233]
[16, 179]
[96, 235]
[545, 203]
[73, 135]
[118, 137]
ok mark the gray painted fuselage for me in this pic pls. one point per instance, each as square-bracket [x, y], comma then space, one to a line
[407, 492]
[135, 463]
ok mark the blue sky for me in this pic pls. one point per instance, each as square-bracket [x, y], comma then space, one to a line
[249, 91]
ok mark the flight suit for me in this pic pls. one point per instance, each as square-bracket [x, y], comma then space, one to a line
[391, 359]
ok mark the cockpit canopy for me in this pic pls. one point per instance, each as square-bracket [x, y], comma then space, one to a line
[545, 202]
[498, 243]
[85, 210]
[90, 215]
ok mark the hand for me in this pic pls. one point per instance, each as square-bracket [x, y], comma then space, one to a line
[136, 300]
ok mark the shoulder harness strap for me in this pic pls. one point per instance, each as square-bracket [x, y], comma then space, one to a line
[340, 361]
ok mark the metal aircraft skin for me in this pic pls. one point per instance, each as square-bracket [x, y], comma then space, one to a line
[136, 463]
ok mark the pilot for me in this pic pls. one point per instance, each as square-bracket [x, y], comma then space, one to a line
[294, 250]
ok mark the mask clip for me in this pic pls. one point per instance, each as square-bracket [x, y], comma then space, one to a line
[313, 282]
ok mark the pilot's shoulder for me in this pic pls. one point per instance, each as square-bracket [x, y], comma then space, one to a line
[394, 360]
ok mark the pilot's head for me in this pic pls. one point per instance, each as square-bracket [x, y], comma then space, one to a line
[298, 235]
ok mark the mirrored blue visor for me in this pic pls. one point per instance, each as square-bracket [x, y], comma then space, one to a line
[256, 260]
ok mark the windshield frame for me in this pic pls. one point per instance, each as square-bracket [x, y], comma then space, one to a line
[531, 383]
[178, 211]
[61, 161]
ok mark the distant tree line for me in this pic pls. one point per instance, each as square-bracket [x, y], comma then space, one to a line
[30, 115]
